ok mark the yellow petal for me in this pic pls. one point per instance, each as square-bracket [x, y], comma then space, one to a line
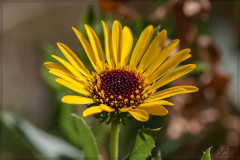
[71, 68]
[186, 57]
[87, 48]
[72, 86]
[139, 115]
[125, 109]
[172, 76]
[171, 92]
[153, 50]
[171, 63]
[162, 56]
[68, 77]
[127, 42]
[108, 45]
[106, 108]
[116, 40]
[91, 111]
[77, 100]
[96, 46]
[159, 102]
[141, 45]
[154, 108]
[73, 59]
[51, 65]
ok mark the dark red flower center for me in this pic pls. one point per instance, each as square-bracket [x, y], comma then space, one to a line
[119, 83]
[119, 88]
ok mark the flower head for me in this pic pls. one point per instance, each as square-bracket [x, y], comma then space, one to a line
[127, 81]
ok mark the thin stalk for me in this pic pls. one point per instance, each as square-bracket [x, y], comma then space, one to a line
[114, 141]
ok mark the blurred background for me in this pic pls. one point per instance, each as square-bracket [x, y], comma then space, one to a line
[36, 124]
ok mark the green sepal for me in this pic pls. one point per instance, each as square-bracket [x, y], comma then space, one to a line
[106, 117]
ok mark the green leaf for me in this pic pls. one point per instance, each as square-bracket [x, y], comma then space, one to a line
[206, 154]
[145, 142]
[45, 144]
[86, 139]
[67, 125]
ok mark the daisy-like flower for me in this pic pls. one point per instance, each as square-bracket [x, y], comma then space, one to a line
[124, 81]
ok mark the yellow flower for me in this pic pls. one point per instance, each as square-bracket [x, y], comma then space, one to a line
[125, 82]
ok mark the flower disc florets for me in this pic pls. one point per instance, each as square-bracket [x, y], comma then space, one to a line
[118, 88]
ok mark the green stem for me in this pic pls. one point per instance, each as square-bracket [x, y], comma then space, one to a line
[114, 141]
